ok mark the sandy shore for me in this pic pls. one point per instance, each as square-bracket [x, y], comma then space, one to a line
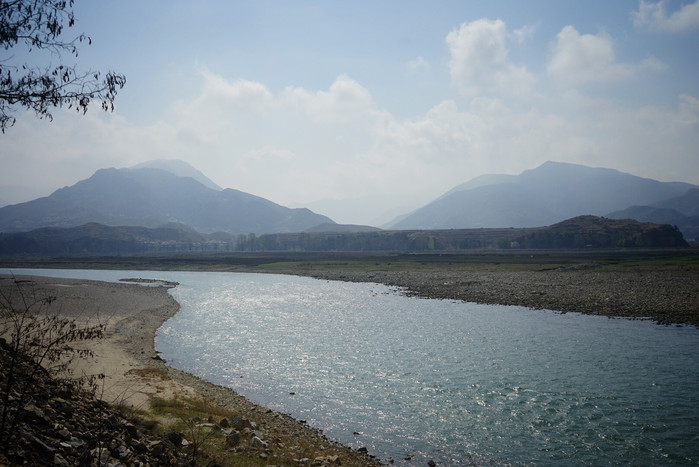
[132, 314]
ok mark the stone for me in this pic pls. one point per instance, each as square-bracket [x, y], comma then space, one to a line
[240, 423]
[76, 443]
[175, 438]
[131, 429]
[66, 447]
[327, 460]
[59, 460]
[138, 446]
[233, 439]
[123, 453]
[258, 443]
[100, 455]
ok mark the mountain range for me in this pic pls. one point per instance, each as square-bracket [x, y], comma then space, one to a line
[152, 197]
[554, 192]
[175, 194]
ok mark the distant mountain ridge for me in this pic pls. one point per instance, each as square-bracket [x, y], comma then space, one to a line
[179, 168]
[545, 195]
[682, 211]
[151, 197]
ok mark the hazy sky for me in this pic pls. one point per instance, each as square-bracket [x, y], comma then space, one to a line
[399, 101]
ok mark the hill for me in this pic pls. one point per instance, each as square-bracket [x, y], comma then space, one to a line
[545, 195]
[101, 240]
[599, 232]
[682, 211]
[150, 197]
[576, 233]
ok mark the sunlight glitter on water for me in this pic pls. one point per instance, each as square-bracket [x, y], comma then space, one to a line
[459, 383]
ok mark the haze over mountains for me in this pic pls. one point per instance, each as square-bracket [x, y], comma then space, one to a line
[164, 192]
[545, 195]
[152, 197]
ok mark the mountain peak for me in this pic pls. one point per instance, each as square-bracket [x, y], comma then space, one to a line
[179, 168]
[151, 197]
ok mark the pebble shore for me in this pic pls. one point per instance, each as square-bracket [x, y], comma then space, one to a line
[667, 296]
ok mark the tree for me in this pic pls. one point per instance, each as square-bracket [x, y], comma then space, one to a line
[38, 25]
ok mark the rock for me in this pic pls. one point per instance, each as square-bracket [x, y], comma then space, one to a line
[111, 421]
[138, 446]
[59, 460]
[240, 423]
[35, 411]
[233, 439]
[100, 455]
[123, 453]
[224, 423]
[66, 447]
[130, 428]
[327, 460]
[175, 438]
[258, 443]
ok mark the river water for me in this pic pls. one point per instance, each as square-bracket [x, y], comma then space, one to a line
[419, 379]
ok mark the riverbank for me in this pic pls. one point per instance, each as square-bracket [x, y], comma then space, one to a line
[657, 284]
[668, 296]
[137, 379]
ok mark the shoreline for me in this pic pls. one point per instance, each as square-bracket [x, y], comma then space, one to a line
[656, 284]
[668, 297]
[133, 370]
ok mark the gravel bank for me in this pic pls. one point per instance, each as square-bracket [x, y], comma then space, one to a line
[669, 296]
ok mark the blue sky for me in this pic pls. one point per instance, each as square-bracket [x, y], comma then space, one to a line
[379, 106]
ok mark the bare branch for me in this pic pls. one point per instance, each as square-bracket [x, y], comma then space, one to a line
[38, 25]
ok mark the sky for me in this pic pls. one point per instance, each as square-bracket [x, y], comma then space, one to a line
[364, 110]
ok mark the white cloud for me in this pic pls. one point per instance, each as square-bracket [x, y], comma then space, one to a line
[418, 63]
[479, 60]
[269, 152]
[653, 64]
[524, 33]
[341, 102]
[654, 17]
[585, 58]
[301, 145]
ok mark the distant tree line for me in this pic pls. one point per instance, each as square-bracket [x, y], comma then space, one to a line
[596, 232]
[394, 240]
[576, 233]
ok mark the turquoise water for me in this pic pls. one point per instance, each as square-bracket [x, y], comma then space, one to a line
[460, 383]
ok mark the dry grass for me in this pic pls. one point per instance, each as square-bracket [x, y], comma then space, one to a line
[150, 373]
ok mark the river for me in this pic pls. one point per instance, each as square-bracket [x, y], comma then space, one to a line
[420, 379]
